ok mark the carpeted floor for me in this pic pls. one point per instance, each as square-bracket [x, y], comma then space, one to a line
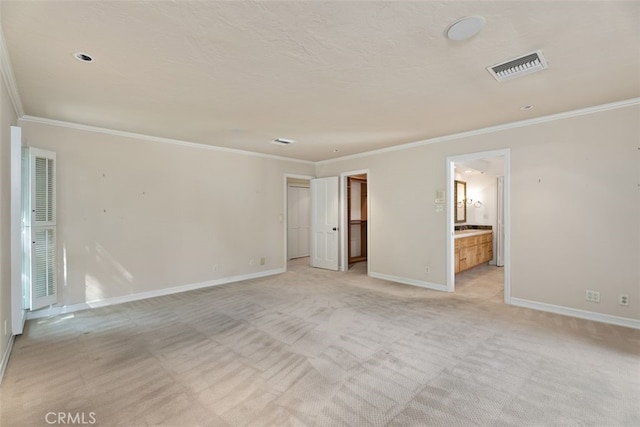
[318, 348]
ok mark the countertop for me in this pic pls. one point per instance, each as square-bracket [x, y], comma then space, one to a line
[468, 233]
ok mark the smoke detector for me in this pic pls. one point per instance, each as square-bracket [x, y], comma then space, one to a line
[520, 66]
[465, 28]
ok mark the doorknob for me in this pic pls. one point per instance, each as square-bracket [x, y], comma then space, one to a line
[335, 228]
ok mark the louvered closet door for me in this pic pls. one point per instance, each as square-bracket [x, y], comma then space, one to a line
[41, 229]
[43, 267]
[43, 205]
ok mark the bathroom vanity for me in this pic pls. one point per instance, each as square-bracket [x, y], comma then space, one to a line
[472, 247]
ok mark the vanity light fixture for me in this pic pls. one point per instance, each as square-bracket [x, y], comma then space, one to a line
[465, 28]
[470, 202]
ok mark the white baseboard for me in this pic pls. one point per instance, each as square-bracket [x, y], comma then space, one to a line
[54, 311]
[574, 312]
[5, 357]
[406, 281]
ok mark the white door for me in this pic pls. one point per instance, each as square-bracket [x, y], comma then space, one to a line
[40, 270]
[298, 219]
[324, 223]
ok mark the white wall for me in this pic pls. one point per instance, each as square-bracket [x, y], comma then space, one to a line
[575, 209]
[139, 216]
[8, 118]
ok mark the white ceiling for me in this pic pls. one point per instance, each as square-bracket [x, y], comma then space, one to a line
[353, 75]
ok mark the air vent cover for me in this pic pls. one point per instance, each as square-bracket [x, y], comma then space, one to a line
[520, 66]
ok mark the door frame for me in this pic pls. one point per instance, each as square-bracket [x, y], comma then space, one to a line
[283, 217]
[18, 312]
[450, 161]
[344, 221]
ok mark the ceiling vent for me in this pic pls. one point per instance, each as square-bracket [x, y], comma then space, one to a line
[282, 141]
[520, 66]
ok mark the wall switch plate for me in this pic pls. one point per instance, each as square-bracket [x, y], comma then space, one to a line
[592, 296]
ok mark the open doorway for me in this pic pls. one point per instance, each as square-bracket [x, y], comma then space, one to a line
[355, 221]
[478, 238]
[297, 219]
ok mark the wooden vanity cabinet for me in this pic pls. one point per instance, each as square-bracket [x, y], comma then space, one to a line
[473, 250]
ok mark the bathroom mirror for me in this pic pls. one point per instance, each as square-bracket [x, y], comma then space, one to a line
[460, 198]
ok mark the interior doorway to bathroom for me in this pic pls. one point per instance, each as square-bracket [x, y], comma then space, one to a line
[478, 225]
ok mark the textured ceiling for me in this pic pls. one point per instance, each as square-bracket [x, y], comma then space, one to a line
[353, 76]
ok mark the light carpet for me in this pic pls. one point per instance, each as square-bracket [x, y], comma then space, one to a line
[318, 348]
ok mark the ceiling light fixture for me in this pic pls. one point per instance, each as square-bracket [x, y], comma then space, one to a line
[520, 66]
[83, 57]
[282, 141]
[465, 28]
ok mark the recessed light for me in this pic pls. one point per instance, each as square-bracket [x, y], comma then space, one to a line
[83, 57]
[526, 107]
[465, 28]
[282, 141]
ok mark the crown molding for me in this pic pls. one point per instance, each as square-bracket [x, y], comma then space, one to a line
[9, 79]
[70, 125]
[483, 131]
[492, 129]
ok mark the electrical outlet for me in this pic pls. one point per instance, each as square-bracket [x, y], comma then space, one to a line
[624, 299]
[263, 261]
[592, 296]
[427, 268]
[215, 268]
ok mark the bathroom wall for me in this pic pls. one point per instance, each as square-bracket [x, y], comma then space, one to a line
[482, 188]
